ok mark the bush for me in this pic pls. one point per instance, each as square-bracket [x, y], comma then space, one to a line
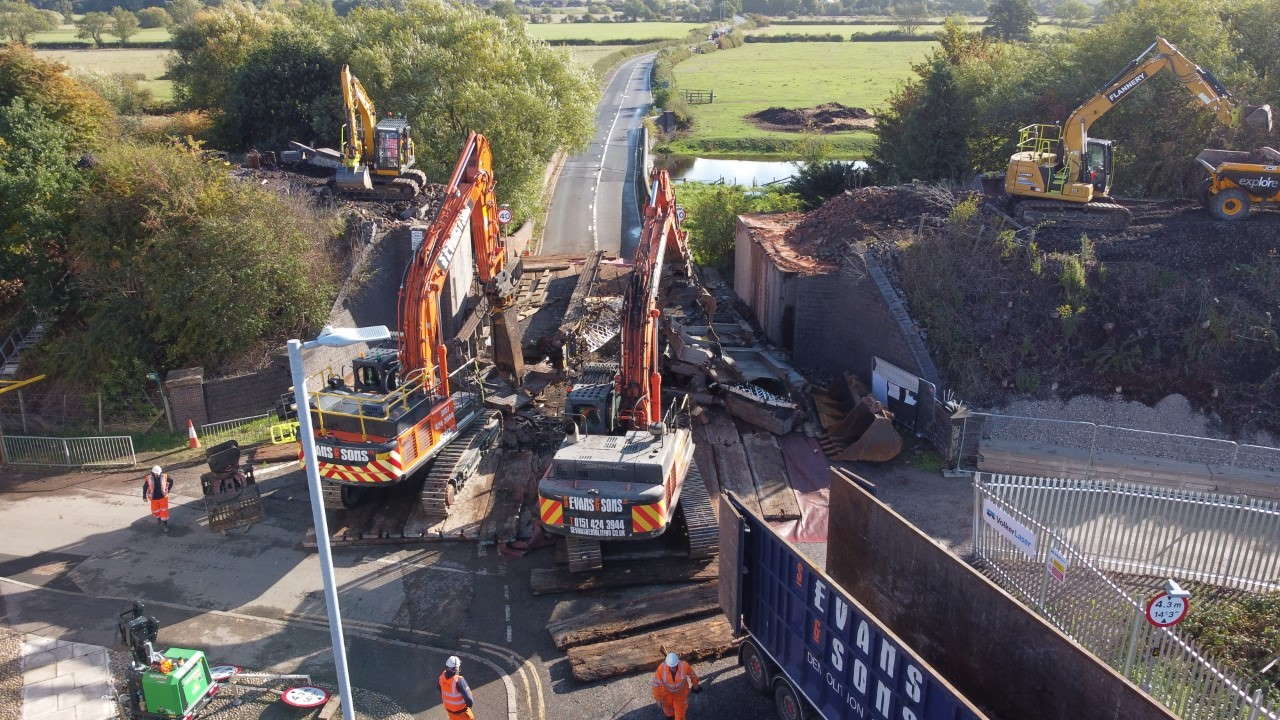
[891, 36]
[795, 37]
[815, 182]
[192, 125]
[154, 17]
[120, 90]
[712, 216]
[286, 89]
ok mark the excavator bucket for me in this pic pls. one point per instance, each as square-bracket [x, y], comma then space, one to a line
[1259, 117]
[868, 430]
[353, 180]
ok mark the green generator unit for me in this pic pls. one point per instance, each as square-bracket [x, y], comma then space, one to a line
[155, 694]
[178, 693]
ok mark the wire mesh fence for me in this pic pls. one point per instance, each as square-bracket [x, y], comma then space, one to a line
[68, 452]
[1056, 544]
[1036, 446]
[34, 413]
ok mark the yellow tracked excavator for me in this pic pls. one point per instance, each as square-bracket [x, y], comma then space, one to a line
[1060, 174]
[377, 155]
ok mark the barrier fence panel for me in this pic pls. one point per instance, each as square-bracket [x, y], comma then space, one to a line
[1025, 539]
[115, 451]
[246, 430]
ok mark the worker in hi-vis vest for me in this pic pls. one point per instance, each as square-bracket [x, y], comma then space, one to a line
[155, 488]
[672, 681]
[454, 692]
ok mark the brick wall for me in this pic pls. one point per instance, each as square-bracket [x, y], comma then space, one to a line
[185, 389]
[245, 395]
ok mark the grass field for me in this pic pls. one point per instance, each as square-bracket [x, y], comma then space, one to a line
[607, 32]
[587, 54]
[67, 34]
[108, 61]
[762, 75]
[847, 30]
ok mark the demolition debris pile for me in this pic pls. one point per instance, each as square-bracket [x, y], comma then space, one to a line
[826, 118]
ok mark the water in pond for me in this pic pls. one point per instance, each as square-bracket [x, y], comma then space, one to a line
[740, 172]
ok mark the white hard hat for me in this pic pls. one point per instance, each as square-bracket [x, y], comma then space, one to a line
[673, 659]
[156, 470]
[453, 662]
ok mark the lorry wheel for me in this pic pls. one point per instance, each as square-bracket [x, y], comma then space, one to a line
[1230, 204]
[787, 702]
[756, 665]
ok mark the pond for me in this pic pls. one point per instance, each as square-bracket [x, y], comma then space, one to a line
[740, 172]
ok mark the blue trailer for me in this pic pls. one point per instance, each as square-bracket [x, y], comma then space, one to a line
[812, 646]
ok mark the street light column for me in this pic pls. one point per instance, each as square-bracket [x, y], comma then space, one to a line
[307, 438]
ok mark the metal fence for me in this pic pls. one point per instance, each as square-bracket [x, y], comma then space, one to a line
[1016, 444]
[30, 411]
[114, 451]
[250, 430]
[1023, 527]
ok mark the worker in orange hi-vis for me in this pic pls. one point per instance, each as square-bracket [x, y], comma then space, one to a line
[156, 489]
[454, 693]
[672, 681]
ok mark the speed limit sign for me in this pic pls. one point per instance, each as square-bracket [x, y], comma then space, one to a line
[680, 213]
[504, 216]
[1164, 609]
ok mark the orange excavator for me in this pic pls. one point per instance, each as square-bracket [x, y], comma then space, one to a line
[633, 473]
[404, 409]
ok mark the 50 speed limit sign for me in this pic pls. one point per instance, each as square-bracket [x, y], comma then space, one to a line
[1164, 610]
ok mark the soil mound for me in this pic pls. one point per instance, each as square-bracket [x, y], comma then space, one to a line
[826, 118]
[826, 232]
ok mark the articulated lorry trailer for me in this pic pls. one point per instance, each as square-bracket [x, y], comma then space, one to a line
[818, 652]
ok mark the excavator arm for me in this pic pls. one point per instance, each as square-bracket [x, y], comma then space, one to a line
[1160, 56]
[361, 120]
[639, 382]
[470, 208]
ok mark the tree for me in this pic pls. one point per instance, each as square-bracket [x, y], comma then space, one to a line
[1010, 20]
[528, 98]
[18, 20]
[504, 9]
[712, 216]
[46, 84]
[908, 14]
[815, 182]
[184, 11]
[286, 89]
[67, 10]
[211, 47]
[168, 247]
[922, 134]
[154, 17]
[1072, 12]
[93, 25]
[124, 24]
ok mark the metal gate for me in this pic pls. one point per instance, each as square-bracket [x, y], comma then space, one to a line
[112, 451]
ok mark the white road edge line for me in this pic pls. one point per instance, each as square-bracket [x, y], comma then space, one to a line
[319, 622]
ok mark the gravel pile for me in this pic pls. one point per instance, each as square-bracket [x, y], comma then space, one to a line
[10, 676]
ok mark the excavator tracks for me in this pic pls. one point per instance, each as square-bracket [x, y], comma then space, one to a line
[1103, 216]
[455, 463]
[699, 518]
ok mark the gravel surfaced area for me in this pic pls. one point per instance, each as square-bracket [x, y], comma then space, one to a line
[248, 699]
[10, 675]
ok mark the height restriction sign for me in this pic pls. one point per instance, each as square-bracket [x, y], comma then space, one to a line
[1164, 610]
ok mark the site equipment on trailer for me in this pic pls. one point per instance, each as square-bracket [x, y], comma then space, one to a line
[375, 152]
[625, 479]
[404, 408]
[1060, 174]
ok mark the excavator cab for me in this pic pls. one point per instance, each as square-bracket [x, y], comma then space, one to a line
[377, 372]
[1097, 166]
[394, 147]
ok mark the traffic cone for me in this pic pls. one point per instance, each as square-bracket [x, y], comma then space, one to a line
[192, 441]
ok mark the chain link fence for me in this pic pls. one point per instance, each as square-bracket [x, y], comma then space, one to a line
[1053, 543]
[1069, 448]
[31, 412]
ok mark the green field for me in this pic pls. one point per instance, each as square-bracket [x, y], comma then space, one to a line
[610, 32]
[762, 75]
[119, 60]
[588, 54]
[67, 34]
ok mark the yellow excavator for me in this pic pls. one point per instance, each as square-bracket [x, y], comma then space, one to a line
[377, 155]
[1060, 174]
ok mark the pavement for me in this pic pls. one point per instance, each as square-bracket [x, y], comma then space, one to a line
[593, 206]
[64, 680]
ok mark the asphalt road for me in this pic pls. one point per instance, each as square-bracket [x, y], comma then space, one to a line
[593, 207]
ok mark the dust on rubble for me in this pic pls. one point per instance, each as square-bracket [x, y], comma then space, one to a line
[826, 118]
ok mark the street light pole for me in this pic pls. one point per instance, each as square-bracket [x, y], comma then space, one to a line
[328, 338]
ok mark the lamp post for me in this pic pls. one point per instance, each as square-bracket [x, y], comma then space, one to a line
[329, 337]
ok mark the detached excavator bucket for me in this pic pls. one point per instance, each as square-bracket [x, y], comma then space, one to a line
[868, 430]
[347, 179]
[1259, 118]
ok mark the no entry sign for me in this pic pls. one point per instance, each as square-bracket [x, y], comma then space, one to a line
[1164, 609]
